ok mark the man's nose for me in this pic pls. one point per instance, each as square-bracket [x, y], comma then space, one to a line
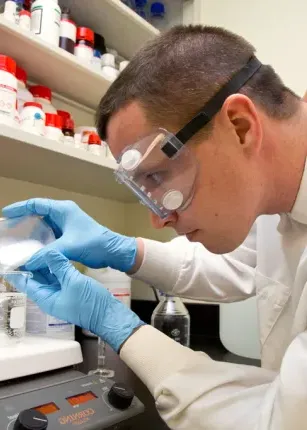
[159, 223]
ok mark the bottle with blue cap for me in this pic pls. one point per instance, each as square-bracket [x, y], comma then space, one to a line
[172, 318]
[157, 15]
[140, 8]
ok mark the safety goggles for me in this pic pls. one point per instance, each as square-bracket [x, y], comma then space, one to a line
[160, 169]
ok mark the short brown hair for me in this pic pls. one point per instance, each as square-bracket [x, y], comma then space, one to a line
[174, 75]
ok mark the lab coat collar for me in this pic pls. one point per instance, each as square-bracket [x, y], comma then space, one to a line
[299, 210]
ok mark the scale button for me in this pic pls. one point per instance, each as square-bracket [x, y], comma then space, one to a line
[31, 420]
[120, 396]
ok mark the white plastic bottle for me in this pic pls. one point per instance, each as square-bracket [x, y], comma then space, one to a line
[32, 118]
[10, 11]
[94, 144]
[23, 94]
[25, 20]
[53, 127]
[41, 324]
[118, 283]
[46, 20]
[8, 91]
[43, 95]
[108, 69]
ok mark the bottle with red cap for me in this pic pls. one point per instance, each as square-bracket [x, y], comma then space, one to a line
[53, 127]
[94, 144]
[43, 95]
[23, 94]
[8, 91]
[25, 20]
[84, 49]
[68, 132]
[32, 118]
[68, 127]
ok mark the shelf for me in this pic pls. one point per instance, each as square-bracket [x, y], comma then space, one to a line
[52, 66]
[122, 28]
[35, 159]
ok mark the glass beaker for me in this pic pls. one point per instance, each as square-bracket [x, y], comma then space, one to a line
[101, 362]
[20, 238]
[172, 318]
[13, 307]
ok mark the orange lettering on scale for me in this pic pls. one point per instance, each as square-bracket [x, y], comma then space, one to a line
[77, 418]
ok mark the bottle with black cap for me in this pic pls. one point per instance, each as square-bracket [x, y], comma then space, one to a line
[30, 419]
[99, 50]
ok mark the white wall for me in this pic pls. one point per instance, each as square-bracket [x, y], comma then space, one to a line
[277, 28]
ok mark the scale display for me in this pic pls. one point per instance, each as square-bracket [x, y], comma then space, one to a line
[48, 408]
[81, 398]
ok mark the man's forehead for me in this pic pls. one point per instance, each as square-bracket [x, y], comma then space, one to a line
[126, 127]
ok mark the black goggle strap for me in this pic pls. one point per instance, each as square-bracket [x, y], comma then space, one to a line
[212, 106]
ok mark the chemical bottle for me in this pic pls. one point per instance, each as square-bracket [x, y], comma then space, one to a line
[68, 132]
[10, 10]
[157, 15]
[8, 90]
[45, 20]
[40, 324]
[27, 4]
[172, 318]
[25, 20]
[140, 8]
[108, 69]
[68, 31]
[53, 127]
[19, 8]
[99, 43]
[23, 94]
[84, 49]
[43, 95]
[118, 283]
[94, 144]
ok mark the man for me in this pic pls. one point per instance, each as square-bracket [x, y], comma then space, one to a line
[215, 145]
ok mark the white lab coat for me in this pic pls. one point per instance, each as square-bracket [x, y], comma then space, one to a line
[196, 393]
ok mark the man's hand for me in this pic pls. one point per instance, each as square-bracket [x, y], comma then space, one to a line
[60, 290]
[79, 237]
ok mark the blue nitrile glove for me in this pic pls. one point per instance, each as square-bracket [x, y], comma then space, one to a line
[79, 237]
[63, 292]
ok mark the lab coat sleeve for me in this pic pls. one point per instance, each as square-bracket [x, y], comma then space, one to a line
[193, 392]
[189, 270]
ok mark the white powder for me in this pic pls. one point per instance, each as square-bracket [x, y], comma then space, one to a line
[15, 254]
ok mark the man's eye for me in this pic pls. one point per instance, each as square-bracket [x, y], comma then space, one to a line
[154, 178]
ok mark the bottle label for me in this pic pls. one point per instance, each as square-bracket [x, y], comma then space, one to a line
[34, 123]
[18, 315]
[36, 20]
[122, 294]
[7, 100]
[46, 24]
[39, 323]
[68, 30]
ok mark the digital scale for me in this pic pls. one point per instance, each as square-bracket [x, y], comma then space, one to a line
[65, 399]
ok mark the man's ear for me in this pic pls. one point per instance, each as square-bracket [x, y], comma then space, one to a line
[305, 97]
